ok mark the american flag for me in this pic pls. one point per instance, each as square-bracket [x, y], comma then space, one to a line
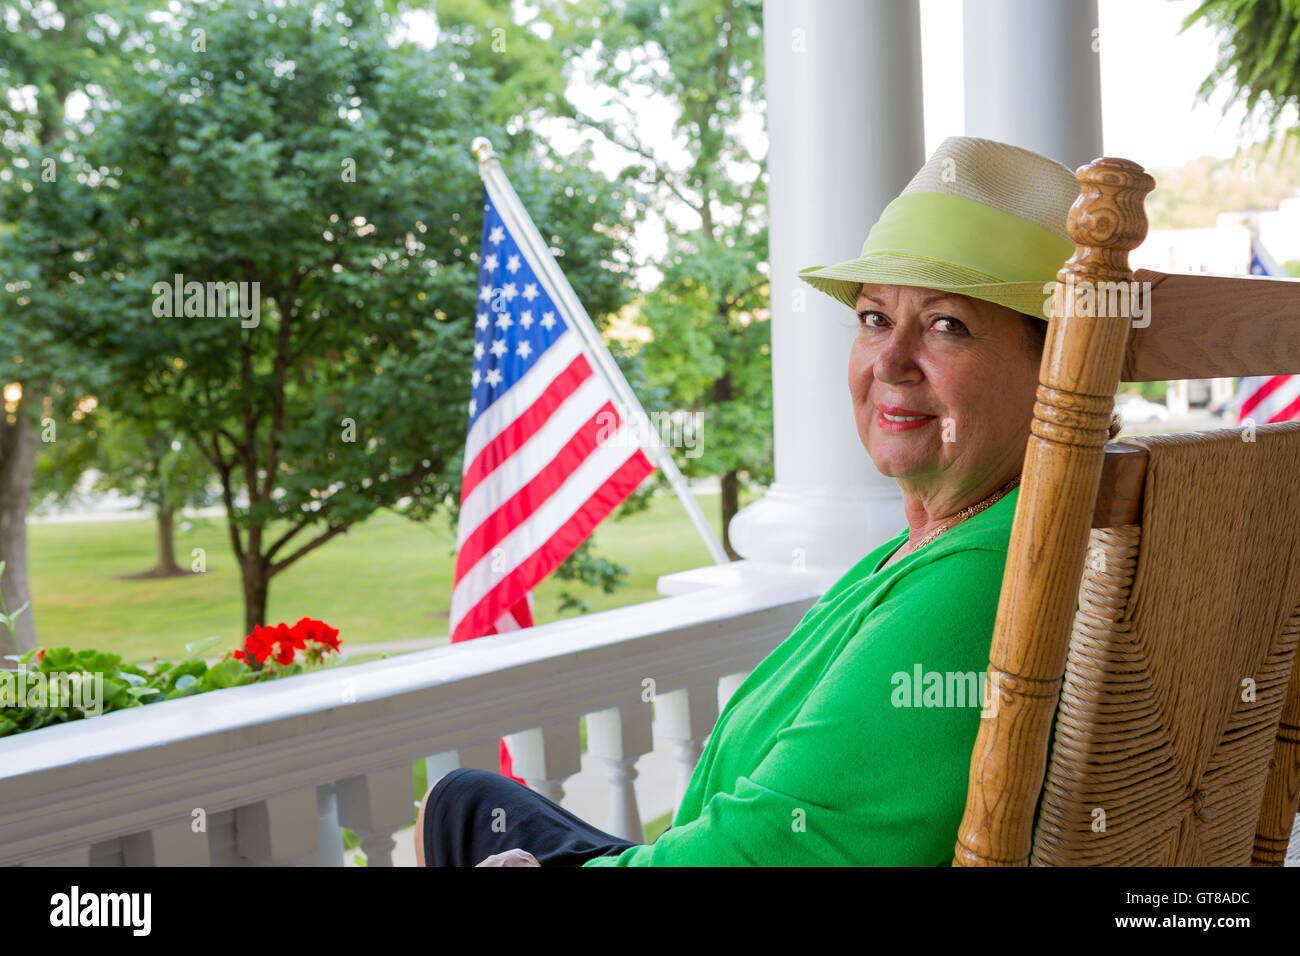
[547, 455]
[1267, 398]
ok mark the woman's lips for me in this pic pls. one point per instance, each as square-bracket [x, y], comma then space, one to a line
[888, 426]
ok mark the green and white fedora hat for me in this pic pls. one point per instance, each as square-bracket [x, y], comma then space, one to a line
[980, 218]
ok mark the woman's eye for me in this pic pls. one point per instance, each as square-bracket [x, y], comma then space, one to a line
[866, 320]
[954, 325]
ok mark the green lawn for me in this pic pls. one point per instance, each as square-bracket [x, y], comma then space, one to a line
[388, 579]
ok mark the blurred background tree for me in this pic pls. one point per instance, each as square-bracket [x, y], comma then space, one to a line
[710, 350]
[293, 146]
[135, 457]
[49, 54]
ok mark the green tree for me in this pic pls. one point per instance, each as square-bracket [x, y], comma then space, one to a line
[1259, 56]
[711, 344]
[130, 456]
[291, 151]
[48, 53]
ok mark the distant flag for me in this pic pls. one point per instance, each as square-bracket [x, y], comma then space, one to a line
[1267, 398]
[548, 455]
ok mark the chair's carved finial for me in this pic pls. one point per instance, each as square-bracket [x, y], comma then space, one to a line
[1108, 220]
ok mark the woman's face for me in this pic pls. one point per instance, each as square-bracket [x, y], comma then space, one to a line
[960, 362]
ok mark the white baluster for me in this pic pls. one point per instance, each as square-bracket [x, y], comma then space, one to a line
[173, 843]
[280, 830]
[438, 766]
[546, 757]
[618, 737]
[686, 717]
[329, 845]
[375, 806]
[728, 686]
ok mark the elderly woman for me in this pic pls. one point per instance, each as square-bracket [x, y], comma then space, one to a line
[832, 751]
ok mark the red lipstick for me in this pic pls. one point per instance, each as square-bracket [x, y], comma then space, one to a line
[900, 426]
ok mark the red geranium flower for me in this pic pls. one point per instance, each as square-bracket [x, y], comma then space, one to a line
[40, 655]
[318, 632]
[290, 636]
[281, 641]
[329, 636]
[259, 644]
[285, 654]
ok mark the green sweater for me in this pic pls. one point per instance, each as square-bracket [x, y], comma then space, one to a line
[832, 751]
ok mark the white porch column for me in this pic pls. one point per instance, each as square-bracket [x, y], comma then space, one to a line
[1032, 76]
[1176, 398]
[1221, 390]
[846, 135]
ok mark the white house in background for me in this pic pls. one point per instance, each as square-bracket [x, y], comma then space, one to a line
[1222, 249]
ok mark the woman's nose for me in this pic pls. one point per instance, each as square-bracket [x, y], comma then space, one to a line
[896, 359]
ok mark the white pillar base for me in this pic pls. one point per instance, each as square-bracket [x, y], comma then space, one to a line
[816, 529]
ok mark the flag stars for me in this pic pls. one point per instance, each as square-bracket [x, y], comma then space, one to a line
[512, 264]
[496, 235]
[504, 321]
[490, 262]
[478, 351]
[509, 291]
[482, 322]
[530, 291]
[493, 377]
[498, 349]
[473, 407]
[485, 292]
[524, 349]
[526, 319]
[548, 320]
[475, 378]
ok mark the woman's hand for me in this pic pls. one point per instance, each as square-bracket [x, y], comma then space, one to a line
[514, 857]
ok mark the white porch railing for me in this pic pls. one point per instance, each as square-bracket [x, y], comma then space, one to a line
[268, 774]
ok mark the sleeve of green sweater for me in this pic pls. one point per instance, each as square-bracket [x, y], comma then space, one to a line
[857, 779]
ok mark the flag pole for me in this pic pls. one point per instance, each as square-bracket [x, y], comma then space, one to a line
[525, 232]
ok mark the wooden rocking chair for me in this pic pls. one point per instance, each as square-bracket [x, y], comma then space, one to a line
[1144, 658]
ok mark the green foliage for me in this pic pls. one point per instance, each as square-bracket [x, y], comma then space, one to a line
[7, 617]
[112, 685]
[299, 151]
[710, 350]
[1152, 391]
[47, 53]
[1259, 56]
[132, 456]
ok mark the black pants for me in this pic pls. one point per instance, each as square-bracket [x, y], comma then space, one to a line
[472, 814]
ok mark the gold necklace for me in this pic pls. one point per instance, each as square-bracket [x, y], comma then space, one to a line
[968, 512]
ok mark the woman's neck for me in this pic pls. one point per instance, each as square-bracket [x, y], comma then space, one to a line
[933, 527]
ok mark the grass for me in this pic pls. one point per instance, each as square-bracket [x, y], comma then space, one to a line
[389, 579]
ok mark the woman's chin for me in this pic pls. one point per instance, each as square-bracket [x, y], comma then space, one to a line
[901, 466]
